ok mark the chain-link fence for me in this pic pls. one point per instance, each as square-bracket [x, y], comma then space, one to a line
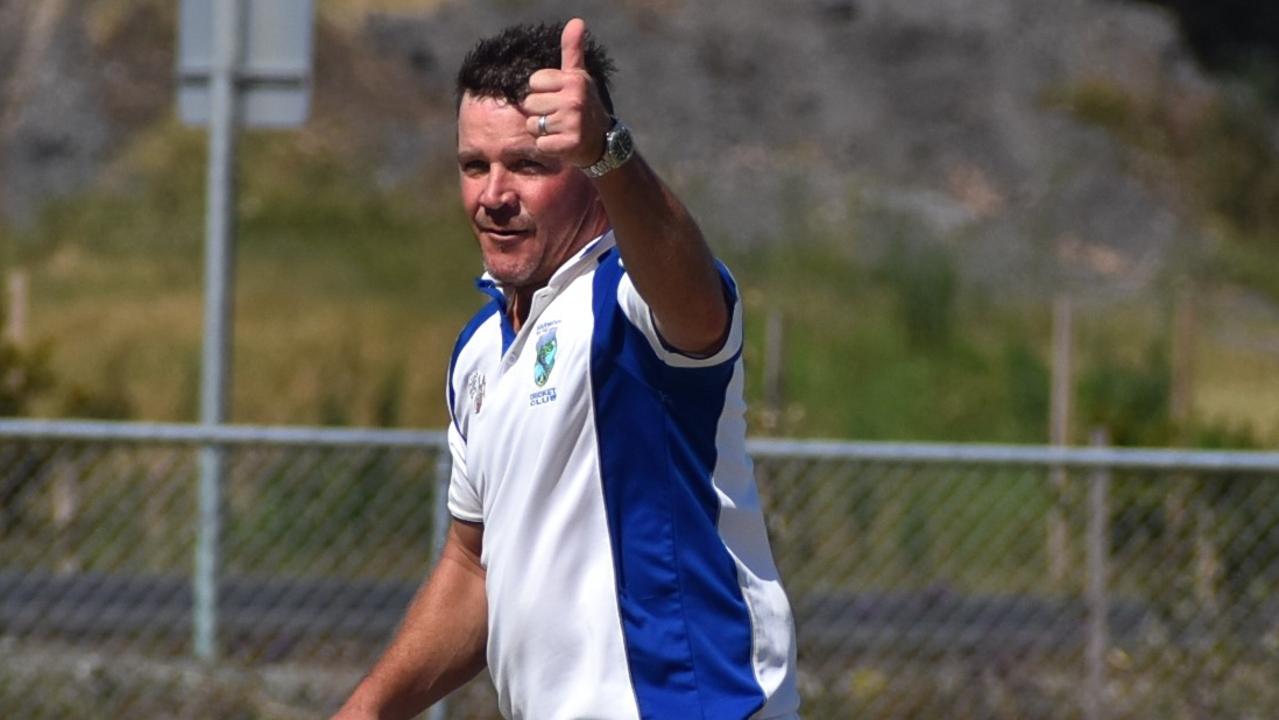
[928, 581]
[988, 582]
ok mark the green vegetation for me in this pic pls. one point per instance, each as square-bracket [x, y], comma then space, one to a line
[340, 287]
[1217, 156]
[349, 296]
[903, 351]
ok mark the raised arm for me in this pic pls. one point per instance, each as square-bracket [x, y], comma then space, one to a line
[664, 251]
[440, 644]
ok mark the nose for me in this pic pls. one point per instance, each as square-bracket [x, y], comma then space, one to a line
[497, 193]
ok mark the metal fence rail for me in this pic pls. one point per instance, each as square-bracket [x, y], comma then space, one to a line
[927, 580]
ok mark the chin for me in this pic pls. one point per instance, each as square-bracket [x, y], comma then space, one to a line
[506, 273]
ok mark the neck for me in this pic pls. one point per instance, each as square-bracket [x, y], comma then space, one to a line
[521, 299]
[593, 225]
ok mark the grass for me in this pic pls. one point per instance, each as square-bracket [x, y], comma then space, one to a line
[348, 298]
[337, 280]
[346, 288]
[1239, 384]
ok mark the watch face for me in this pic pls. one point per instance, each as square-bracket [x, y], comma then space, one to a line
[622, 144]
[618, 148]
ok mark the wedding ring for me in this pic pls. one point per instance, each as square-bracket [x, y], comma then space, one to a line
[541, 125]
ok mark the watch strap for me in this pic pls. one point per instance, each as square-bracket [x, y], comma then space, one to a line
[618, 148]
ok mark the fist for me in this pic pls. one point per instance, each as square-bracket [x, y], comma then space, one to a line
[563, 109]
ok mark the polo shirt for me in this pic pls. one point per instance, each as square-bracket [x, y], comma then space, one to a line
[628, 571]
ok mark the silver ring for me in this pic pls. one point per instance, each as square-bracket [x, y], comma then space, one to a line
[541, 125]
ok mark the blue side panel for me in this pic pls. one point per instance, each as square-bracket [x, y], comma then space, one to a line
[463, 338]
[686, 625]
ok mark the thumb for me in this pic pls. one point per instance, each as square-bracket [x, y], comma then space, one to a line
[572, 53]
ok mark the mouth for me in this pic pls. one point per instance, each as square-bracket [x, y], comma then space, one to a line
[505, 235]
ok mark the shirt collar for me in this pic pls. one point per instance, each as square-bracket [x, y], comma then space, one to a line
[570, 269]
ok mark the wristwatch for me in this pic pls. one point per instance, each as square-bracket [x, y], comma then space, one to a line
[619, 146]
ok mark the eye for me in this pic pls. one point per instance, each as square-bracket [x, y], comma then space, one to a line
[525, 166]
[474, 168]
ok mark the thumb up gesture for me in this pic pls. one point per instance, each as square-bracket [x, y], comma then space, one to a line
[563, 108]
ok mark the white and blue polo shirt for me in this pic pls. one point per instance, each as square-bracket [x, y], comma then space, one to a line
[628, 570]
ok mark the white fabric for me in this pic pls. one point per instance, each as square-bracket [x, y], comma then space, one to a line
[526, 465]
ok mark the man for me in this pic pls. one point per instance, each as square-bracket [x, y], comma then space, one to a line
[607, 548]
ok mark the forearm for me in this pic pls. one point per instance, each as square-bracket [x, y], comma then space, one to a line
[439, 646]
[666, 256]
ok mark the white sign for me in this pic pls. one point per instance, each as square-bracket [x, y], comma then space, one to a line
[274, 73]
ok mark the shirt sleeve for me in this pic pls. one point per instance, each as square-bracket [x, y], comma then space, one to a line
[464, 500]
[638, 312]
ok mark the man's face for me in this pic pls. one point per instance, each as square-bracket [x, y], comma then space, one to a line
[529, 211]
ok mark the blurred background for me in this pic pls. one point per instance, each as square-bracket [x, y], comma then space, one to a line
[934, 209]
[906, 188]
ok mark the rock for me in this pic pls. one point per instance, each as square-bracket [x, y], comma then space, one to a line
[53, 134]
[773, 117]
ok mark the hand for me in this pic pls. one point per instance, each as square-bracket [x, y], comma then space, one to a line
[576, 120]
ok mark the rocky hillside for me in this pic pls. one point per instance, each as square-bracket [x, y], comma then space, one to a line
[860, 119]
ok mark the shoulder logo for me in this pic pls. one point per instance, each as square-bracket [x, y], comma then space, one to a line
[544, 361]
[475, 389]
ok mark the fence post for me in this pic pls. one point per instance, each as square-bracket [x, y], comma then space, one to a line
[439, 535]
[1059, 435]
[19, 292]
[773, 371]
[66, 503]
[440, 520]
[1097, 544]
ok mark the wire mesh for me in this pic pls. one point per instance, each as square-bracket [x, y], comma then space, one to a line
[322, 548]
[969, 587]
[971, 591]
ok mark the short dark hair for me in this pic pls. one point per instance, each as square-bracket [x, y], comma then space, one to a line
[500, 66]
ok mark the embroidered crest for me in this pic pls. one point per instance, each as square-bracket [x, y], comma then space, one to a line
[475, 389]
[545, 359]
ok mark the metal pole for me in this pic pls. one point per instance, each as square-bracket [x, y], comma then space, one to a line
[1059, 435]
[773, 370]
[440, 522]
[1098, 533]
[218, 284]
[19, 306]
[439, 535]
[1181, 399]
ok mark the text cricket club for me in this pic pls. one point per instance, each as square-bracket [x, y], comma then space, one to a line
[543, 363]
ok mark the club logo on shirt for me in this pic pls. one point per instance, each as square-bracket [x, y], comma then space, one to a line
[475, 389]
[544, 361]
